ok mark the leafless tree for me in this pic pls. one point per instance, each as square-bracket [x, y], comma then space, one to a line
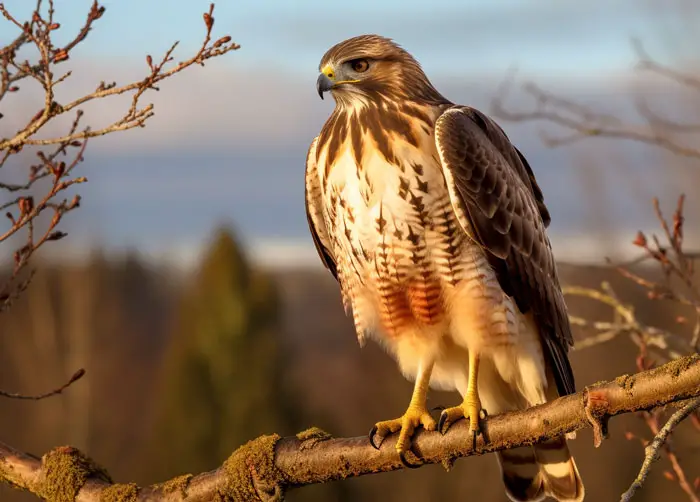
[58, 156]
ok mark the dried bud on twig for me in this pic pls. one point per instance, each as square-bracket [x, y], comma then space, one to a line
[57, 235]
[96, 11]
[222, 41]
[57, 169]
[26, 204]
[60, 55]
[641, 240]
[208, 20]
[74, 203]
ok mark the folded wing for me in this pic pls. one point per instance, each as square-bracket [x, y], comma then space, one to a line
[498, 202]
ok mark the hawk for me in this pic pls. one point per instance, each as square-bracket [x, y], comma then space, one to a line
[434, 225]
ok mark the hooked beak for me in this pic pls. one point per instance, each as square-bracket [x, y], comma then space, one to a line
[323, 84]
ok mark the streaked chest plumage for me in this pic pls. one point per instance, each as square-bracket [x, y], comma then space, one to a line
[399, 248]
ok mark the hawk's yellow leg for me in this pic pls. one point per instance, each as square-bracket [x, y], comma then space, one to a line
[415, 416]
[471, 405]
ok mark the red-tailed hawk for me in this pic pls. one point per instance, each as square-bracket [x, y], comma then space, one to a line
[435, 227]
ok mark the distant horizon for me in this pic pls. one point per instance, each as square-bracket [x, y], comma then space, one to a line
[300, 253]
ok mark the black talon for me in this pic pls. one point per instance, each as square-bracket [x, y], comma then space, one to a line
[373, 433]
[441, 423]
[406, 463]
[439, 407]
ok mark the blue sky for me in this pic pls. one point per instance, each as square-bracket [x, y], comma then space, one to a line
[228, 141]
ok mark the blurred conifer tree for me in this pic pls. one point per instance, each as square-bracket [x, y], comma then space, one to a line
[221, 384]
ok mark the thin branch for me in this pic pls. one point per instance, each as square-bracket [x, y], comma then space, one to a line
[651, 452]
[135, 116]
[581, 122]
[646, 62]
[629, 324]
[264, 468]
[76, 376]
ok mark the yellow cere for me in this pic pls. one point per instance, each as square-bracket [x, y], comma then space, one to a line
[328, 71]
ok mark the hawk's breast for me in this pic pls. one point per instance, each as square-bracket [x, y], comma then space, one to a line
[398, 246]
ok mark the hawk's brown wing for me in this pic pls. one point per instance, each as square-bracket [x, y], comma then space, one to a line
[498, 201]
[314, 211]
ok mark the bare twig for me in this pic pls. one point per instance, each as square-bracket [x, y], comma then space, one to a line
[673, 345]
[76, 376]
[135, 116]
[581, 122]
[651, 452]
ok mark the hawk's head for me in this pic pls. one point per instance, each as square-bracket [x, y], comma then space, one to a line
[371, 67]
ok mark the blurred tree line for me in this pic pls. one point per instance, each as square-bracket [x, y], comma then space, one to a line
[221, 383]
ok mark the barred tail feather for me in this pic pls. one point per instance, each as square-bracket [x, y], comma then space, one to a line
[521, 474]
[558, 470]
[531, 473]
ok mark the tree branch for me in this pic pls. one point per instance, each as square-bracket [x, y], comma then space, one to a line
[59, 390]
[651, 452]
[580, 122]
[267, 466]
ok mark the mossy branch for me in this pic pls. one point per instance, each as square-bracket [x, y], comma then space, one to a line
[264, 468]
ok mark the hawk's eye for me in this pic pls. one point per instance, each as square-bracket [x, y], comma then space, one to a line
[359, 65]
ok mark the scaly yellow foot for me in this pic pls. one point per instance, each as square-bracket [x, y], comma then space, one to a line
[470, 407]
[415, 416]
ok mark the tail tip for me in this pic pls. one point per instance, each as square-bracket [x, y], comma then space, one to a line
[562, 487]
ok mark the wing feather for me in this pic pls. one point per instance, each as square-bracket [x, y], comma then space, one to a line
[494, 188]
[314, 211]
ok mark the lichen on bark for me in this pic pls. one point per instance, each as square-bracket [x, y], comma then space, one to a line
[66, 469]
[251, 472]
